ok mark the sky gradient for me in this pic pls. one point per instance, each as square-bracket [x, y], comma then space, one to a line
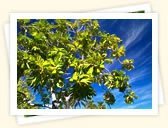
[136, 35]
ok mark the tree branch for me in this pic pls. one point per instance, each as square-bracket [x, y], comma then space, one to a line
[79, 29]
[40, 105]
[119, 61]
[107, 70]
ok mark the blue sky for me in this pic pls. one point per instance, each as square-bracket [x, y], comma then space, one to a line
[136, 35]
[137, 38]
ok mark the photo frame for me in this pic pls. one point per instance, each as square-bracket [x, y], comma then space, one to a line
[86, 15]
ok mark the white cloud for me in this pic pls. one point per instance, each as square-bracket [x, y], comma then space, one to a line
[135, 33]
[137, 54]
[134, 106]
[138, 74]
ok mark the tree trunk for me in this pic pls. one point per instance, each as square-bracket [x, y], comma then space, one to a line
[53, 99]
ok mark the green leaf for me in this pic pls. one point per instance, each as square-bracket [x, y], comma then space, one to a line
[33, 81]
[86, 81]
[46, 63]
[117, 83]
[128, 64]
[108, 60]
[102, 66]
[84, 76]
[52, 62]
[71, 80]
[90, 71]
[34, 33]
[98, 70]
[46, 50]
[27, 65]
[60, 84]
[61, 72]
[54, 72]
[75, 76]
[22, 65]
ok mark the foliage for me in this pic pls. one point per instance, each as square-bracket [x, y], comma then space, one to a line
[62, 58]
[23, 96]
[92, 105]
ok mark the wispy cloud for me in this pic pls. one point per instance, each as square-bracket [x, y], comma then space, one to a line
[145, 90]
[137, 53]
[144, 61]
[138, 47]
[138, 105]
[135, 33]
[138, 75]
[144, 99]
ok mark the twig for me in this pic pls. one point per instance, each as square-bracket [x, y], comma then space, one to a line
[80, 28]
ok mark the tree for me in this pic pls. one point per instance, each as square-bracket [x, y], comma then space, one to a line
[60, 59]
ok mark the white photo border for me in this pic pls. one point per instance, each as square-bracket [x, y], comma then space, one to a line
[144, 7]
[132, 8]
[28, 120]
[13, 64]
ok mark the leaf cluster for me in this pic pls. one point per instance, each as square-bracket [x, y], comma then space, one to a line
[48, 49]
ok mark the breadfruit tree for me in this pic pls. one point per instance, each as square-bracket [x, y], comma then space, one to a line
[59, 60]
